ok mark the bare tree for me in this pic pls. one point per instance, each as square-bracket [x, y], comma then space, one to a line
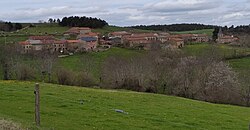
[45, 63]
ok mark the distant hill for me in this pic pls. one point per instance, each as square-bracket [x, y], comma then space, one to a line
[175, 27]
[65, 107]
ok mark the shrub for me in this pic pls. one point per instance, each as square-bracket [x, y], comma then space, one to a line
[65, 77]
[84, 79]
[24, 72]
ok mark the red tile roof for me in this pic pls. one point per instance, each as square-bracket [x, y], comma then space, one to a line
[42, 38]
[144, 35]
[24, 43]
[77, 30]
[120, 33]
[90, 34]
[176, 39]
[73, 41]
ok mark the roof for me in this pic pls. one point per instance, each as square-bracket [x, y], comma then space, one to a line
[228, 37]
[135, 38]
[73, 41]
[41, 37]
[88, 39]
[144, 35]
[60, 42]
[90, 34]
[120, 33]
[176, 39]
[24, 43]
[77, 30]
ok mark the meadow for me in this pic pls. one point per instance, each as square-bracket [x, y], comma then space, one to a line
[67, 107]
[209, 32]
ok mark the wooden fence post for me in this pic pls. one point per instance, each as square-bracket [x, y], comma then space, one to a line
[37, 105]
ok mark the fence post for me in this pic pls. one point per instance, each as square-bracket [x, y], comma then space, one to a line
[37, 105]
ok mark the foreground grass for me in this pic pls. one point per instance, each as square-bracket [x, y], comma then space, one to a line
[75, 108]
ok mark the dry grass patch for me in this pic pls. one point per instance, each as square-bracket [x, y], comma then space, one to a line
[9, 125]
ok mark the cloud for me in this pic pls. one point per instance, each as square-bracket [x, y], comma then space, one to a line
[180, 5]
[27, 13]
[131, 12]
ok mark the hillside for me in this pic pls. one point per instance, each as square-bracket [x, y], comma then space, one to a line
[209, 32]
[75, 108]
[53, 29]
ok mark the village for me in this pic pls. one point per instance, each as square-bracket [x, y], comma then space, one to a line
[82, 39]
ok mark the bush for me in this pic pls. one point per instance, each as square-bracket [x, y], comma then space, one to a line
[65, 77]
[84, 79]
[24, 72]
[204, 78]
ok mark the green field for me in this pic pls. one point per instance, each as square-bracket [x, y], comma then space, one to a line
[224, 50]
[64, 107]
[93, 61]
[108, 29]
[203, 31]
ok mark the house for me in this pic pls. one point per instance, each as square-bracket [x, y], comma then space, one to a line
[141, 41]
[26, 47]
[42, 43]
[90, 39]
[119, 34]
[197, 38]
[225, 38]
[77, 31]
[176, 43]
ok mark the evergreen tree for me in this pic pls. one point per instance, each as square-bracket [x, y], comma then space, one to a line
[76, 21]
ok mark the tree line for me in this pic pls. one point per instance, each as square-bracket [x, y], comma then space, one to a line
[174, 27]
[8, 26]
[241, 29]
[76, 21]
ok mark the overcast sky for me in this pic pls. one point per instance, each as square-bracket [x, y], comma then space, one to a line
[131, 12]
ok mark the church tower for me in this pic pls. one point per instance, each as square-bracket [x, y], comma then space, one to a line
[220, 33]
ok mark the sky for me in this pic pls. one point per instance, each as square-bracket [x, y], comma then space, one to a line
[131, 12]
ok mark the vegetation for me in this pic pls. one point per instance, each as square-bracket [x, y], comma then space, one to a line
[8, 26]
[75, 21]
[242, 29]
[226, 51]
[9, 125]
[44, 29]
[209, 32]
[64, 107]
[108, 29]
[175, 27]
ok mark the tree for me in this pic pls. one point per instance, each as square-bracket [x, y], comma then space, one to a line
[50, 20]
[215, 33]
[58, 20]
[46, 61]
[75, 21]
[18, 26]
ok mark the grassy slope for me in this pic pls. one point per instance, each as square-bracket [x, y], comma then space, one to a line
[96, 59]
[204, 31]
[40, 29]
[239, 65]
[108, 29]
[224, 50]
[54, 29]
[61, 109]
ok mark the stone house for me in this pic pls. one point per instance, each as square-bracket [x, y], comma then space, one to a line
[42, 43]
[225, 38]
[77, 31]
